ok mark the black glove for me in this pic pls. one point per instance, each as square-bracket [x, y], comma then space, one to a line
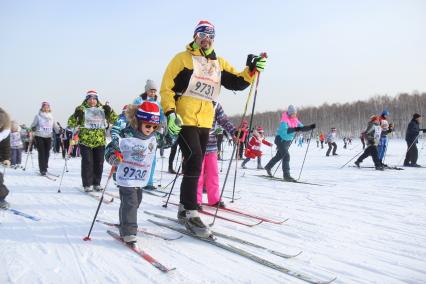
[255, 61]
[79, 113]
[297, 128]
[107, 110]
[312, 126]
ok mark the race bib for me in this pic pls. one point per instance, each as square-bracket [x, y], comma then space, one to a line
[15, 140]
[205, 80]
[94, 118]
[45, 125]
[138, 155]
[377, 132]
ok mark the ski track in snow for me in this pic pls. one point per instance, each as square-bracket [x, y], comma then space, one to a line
[362, 226]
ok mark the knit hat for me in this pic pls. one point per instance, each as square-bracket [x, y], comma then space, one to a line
[416, 115]
[333, 129]
[91, 93]
[150, 85]
[148, 112]
[204, 27]
[45, 104]
[385, 113]
[259, 129]
[291, 109]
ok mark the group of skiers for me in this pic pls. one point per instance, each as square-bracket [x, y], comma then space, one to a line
[187, 116]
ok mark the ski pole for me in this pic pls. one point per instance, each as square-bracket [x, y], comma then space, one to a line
[177, 157]
[352, 159]
[252, 88]
[306, 153]
[87, 238]
[62, 176]
[173, 185]
[161, 173]
[28, 152]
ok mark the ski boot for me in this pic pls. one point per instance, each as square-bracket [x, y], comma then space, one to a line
[181, 215]
[268, 171]
[195, 226]
[97, 188]
[131, 241]
[289, 178]
[357, 164]
[4, 204]
[87, 189]
[380, 168]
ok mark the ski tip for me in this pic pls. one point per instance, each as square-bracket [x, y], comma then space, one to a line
[87, 238]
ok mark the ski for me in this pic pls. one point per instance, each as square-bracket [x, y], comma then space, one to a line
[232, 238]
[238, 212]
[48, 177]
[141, 253]
[225, 218]
[141, 230]
[372, 167]
[295, 181]
[19, 213]
[154, 192]
[53, 175]
[112, 194]
[95, 196]
[246, 254]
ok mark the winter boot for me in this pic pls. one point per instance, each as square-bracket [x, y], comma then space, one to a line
[195, 226]
[268, 171]
[357, 163]
[97, 188]
[181, 215]
[380, 168]
[4, 204]
[87, 189]
[289, 178]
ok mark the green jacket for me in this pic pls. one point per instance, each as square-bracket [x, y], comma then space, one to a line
[91, 137]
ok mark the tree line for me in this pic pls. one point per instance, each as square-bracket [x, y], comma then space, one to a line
[350, 119]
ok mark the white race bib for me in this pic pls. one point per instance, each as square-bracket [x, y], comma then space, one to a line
[94, 118]
[15, 140]
[377, 132]
[205, 80]
[45, 125]
[138, 155]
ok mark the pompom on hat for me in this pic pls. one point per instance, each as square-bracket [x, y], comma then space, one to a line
[148, 112]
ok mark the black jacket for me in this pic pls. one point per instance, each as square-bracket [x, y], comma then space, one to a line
[413, 131]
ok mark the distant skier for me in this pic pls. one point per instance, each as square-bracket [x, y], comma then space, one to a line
[386, 129]
[372, 135]
[253, 150]
[4, 155]
[411, 137]
[132, 151]
[322, 139]
[44, 125]
[300, 141]
[331, 141]
[289, 125]
[16, 145]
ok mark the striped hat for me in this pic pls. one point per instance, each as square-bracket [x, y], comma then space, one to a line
[205, 27]
[91, 93]
[45, 104]
[148, 112]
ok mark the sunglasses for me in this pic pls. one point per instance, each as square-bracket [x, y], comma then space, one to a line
[92, 97]
[203, 35]
[148, 126]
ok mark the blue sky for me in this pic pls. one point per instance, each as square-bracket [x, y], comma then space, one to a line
[319, 51]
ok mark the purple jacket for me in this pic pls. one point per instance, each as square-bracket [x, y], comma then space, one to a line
[222, 120]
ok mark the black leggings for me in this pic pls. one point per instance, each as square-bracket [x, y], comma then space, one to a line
[192, 142]
[43, 148]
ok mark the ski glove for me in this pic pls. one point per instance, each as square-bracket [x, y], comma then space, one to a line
[256, 63]
[312, 126]
[174, 123]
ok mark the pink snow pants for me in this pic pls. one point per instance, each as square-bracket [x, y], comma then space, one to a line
[209, 178]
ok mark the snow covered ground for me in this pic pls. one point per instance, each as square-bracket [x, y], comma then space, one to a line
[363, 226]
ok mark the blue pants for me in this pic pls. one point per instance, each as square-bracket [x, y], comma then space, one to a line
[151, 176]
[381, 148]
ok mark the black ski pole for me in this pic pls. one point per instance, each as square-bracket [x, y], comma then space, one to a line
[352, 159]
[256, 79]
[306, 153]
[173, 185]
[87, 238]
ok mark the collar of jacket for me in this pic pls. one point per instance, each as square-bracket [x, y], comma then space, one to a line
[144, 97]
[199, 52]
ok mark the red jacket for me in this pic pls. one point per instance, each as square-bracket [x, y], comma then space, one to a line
[253, 148]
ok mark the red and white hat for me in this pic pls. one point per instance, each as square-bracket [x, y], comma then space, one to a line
[148, 112]
[91, 93]
[205, 27]
[259, 129]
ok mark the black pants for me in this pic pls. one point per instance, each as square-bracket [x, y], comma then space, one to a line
[412, 154]
[173, 150]
[192, 142]
[65, 146]
[26, 145]
[282, 154]
[3, 189]
[371, 150]
[331, 145]
[363, 143]
[43, 148]
[92, 164]
[131, 198]
[322, 144]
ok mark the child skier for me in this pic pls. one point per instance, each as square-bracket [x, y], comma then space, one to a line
[331, 141]
[372, 135]
[133, 152]
[16, 145]
[253, 149]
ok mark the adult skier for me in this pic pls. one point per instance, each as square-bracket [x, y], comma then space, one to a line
[411, 137]
[289, 125]
[91, 117]
[191, 83]
[44, 125]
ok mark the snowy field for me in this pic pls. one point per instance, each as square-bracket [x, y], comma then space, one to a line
[363, 226]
